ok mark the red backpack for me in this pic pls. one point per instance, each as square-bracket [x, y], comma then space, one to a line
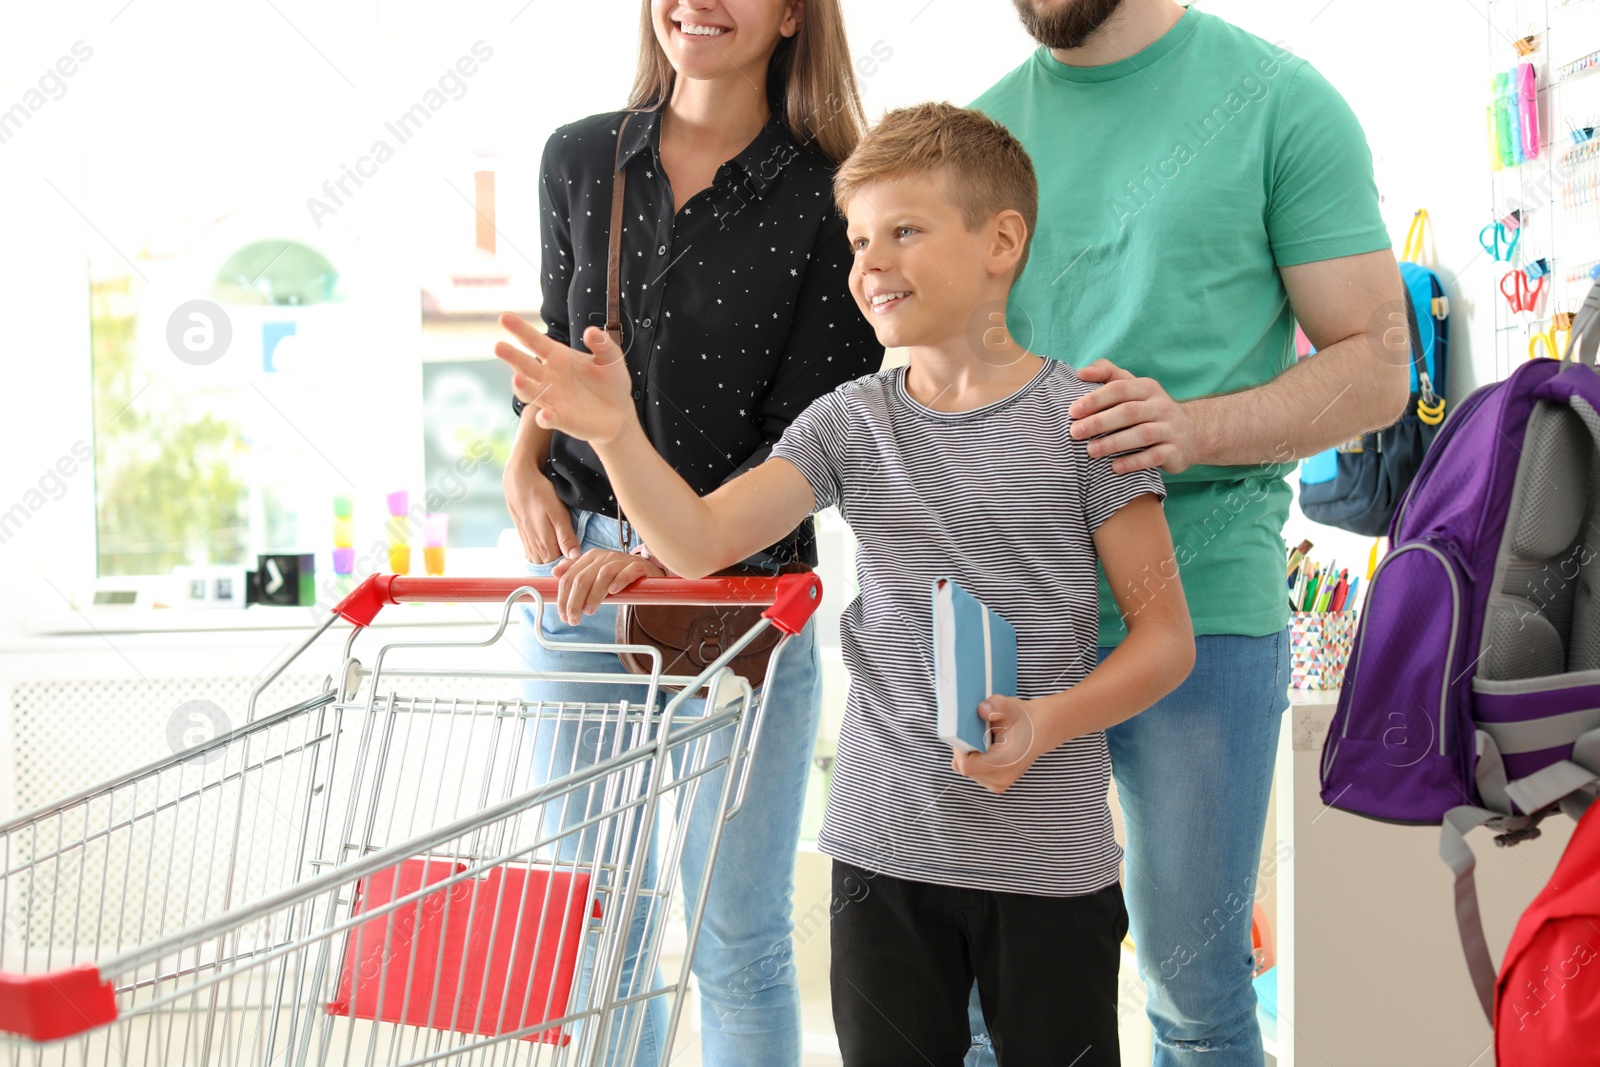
[1547, 1000]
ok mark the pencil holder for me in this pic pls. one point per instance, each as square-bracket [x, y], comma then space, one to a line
[1319, 646]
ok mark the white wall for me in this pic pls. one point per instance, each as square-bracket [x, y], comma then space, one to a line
[45, 362]
[1412, 71]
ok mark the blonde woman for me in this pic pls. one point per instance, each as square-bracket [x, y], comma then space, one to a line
[736, 314]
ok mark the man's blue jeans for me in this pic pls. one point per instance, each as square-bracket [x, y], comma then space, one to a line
[1194, 774]
[744, 960]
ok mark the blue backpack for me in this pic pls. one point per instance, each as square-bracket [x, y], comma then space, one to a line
[1357, 485]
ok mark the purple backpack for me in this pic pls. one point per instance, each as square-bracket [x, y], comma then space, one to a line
[1472, 695]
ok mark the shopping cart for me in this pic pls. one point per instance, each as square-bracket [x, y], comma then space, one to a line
[372, 876]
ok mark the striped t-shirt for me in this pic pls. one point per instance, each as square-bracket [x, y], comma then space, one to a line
[1004, 501]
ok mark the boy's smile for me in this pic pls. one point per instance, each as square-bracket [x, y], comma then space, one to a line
[884, 301]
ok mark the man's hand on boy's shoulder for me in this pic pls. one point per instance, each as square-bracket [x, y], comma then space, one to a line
[1014, 744]
[1140, 418]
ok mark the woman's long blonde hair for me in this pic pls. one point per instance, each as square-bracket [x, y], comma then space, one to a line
[810, 80]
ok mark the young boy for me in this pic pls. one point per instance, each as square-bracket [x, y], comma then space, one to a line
[997, 865]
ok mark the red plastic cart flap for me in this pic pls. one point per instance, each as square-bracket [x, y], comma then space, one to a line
[45, 1007]
[511, 938]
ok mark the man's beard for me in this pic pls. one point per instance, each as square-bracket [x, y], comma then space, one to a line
[1069, 25]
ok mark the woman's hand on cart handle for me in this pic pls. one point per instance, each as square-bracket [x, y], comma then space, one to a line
[595, 575]
[582, 394]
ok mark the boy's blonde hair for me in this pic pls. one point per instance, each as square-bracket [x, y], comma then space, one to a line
[985, 169]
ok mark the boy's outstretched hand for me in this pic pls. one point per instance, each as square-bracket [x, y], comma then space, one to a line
[1014, 743]
[581, 394]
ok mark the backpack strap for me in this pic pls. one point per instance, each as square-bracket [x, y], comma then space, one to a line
[1586, 751]
[1412, 249]
[1566, 784]
[1586, 754]
[1584, 340]
[1427, 401]
[1575, 805]
[1490, 772]
[1457, 854]
[1548, 786]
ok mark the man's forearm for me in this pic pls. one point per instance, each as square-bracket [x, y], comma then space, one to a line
[1342, 392]
[671, 517]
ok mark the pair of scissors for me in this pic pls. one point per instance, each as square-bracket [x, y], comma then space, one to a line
[1521, 296]
[1560, 323]
[1500, 246]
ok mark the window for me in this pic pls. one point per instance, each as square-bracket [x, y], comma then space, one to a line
[303, 259]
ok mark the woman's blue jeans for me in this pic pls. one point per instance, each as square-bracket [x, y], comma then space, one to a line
[744, 959]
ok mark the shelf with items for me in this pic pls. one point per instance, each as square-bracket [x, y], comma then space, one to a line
[1549, 202]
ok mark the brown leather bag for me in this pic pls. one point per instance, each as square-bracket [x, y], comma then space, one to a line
[690, 637]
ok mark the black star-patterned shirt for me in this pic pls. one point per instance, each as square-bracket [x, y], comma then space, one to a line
[736, 311]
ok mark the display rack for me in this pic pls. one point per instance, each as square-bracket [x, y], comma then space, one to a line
[1557, 193]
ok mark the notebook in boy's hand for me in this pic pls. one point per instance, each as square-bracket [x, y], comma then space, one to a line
[974, 657]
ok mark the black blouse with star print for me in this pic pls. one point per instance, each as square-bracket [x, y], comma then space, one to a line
[736, 311]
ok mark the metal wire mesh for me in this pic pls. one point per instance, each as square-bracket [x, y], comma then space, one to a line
[374, 876]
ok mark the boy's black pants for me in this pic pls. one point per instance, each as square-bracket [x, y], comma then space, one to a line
[905, 955]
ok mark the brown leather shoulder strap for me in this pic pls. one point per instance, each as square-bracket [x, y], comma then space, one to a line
[614, 255]
[614, 283]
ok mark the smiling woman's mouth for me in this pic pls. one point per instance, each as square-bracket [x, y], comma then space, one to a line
[700, 31]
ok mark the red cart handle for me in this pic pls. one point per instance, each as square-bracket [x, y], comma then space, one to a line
[793, 596]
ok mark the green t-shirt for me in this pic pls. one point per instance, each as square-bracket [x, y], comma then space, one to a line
[1172, 186]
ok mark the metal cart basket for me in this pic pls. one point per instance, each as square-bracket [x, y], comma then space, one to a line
[376, 876]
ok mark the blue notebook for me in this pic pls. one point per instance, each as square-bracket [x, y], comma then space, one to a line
[974, 657]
